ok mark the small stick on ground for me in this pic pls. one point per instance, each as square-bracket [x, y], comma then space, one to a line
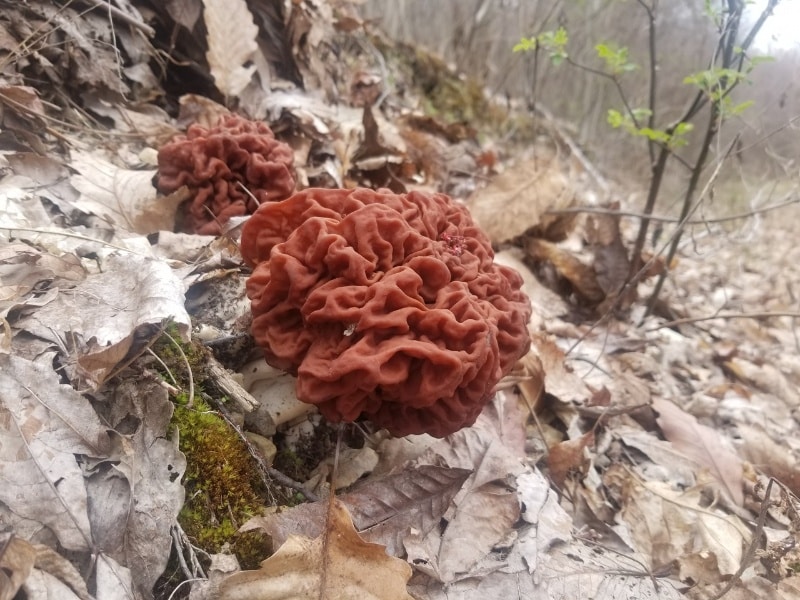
[266, 471]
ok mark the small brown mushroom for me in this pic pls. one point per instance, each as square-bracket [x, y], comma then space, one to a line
[230, 169]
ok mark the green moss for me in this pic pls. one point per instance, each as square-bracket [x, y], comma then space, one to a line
[223, 483]
[176, 354]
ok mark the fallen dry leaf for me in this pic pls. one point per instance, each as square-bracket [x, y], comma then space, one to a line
[311, 29]
[769, 456]
[567, 455]
[611, 263]
[540, 507]
[335, 566]
[184, 13]
[17, 557]
[138, 485]
[24, 103]
[372, 154]
[676, 467]
[582, 278]
[481, 521]
[20, 206]
[44, 427]
[484, 511]
[200, 110]
[384, 510]
[24, 268]
[231, 44]
[58, 574]
[666, 525]
[151, 122]
[116, 582]
[353, 464]
[125, 198]
[765, 377]
[519, 199]
[749, 587]
[546, 561]
[703, 445]
[529, 378]
[103, 314]
[559, 380]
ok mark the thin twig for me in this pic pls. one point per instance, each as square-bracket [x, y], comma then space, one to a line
[189, 374]
[73, 235]
[196, 568]
[288, 482]
[34, 37]
[766, 136]
[725, 46]
[109, 133]
[687, 210]
[615, 80]
[179, 551]
[600, 412]
[729, 316]
[163, 366]
[181, 584]
[122, 16]
[637, 215]
[750, 553]
[281, 478]
[637, 276]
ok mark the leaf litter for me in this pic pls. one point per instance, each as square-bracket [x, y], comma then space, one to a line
[616, 462]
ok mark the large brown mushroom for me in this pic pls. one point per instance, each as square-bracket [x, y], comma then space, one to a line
[229, 169]
[386, 306]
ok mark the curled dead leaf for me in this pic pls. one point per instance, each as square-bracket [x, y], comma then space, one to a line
[559, 380]
[125, 198]
[529, 376]
[769, 456]
[519, 199]
[133, 297]
[17, 558]
[611, 264]
[337, 565]
[566, 456]
[581, 278]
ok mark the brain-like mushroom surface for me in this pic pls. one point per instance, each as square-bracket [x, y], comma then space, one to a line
[229, 169]
[386, 306]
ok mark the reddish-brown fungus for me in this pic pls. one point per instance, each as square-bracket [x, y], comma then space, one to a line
[385, 306]
[229, 169]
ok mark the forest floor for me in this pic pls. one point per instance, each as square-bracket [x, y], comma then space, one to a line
[146, 449]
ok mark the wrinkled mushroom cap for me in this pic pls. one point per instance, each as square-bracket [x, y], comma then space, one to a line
[230, 169]
[385, 306]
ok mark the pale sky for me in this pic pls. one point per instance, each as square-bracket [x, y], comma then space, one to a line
[782, 29]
